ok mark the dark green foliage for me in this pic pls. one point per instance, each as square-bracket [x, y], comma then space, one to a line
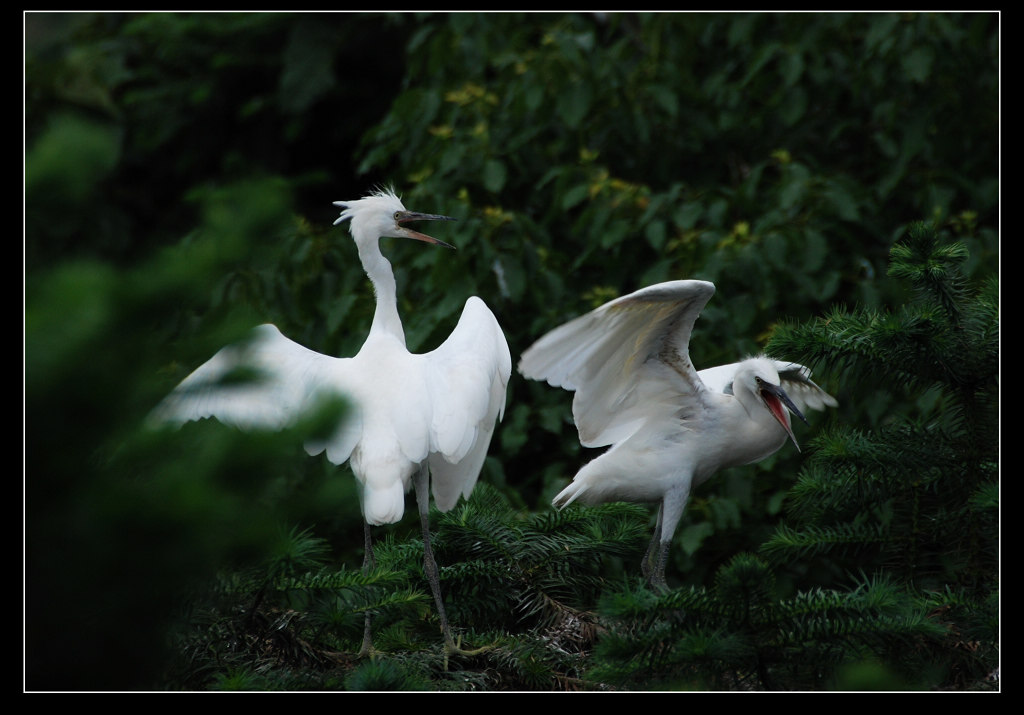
[120, 519]
[920, 488]
[179, 174]
[918, 497]
[742, 635]
[541, 570]
[384, 675]
[520, 583]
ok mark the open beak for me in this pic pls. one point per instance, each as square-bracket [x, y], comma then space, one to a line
[404, 217]
[777, 402]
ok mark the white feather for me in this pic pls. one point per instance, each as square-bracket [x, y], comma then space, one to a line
[407, 410]
[668, 426]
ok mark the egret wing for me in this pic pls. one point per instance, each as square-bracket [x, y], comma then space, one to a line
[796, 381]
[719, 379]
[468, 376]
[279, 380]
[627, 360]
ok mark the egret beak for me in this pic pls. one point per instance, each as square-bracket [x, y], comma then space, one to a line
[777, 402]
[403, 217]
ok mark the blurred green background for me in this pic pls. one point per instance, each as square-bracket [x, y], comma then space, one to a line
[179, 174]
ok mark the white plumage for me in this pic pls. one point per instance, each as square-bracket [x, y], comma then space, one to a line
[668, 426]
[415, 417]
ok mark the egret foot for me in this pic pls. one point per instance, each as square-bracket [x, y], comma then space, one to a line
[455, 648]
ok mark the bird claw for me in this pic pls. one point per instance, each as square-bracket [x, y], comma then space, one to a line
[455, 648]
[475, 651]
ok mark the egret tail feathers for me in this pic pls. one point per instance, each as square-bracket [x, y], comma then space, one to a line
[568, 495]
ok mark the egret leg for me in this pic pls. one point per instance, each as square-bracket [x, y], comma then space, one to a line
[422, 484]
[369, 563]
[653, 547]
[672, 506]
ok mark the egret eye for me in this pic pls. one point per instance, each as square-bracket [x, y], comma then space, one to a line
[396, 215]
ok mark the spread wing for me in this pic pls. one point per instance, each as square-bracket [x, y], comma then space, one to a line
[627, 361]
[442, 405]
[467, 376]
[796, 381]
[265, 382]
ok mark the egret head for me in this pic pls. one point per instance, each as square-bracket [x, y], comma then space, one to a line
[382, 214]
[768, 387]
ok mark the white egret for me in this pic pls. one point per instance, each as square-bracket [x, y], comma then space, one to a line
[416, 419]
[670, 427]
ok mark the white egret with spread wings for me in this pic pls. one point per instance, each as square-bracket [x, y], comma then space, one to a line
[668, 426]
[419, 420]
